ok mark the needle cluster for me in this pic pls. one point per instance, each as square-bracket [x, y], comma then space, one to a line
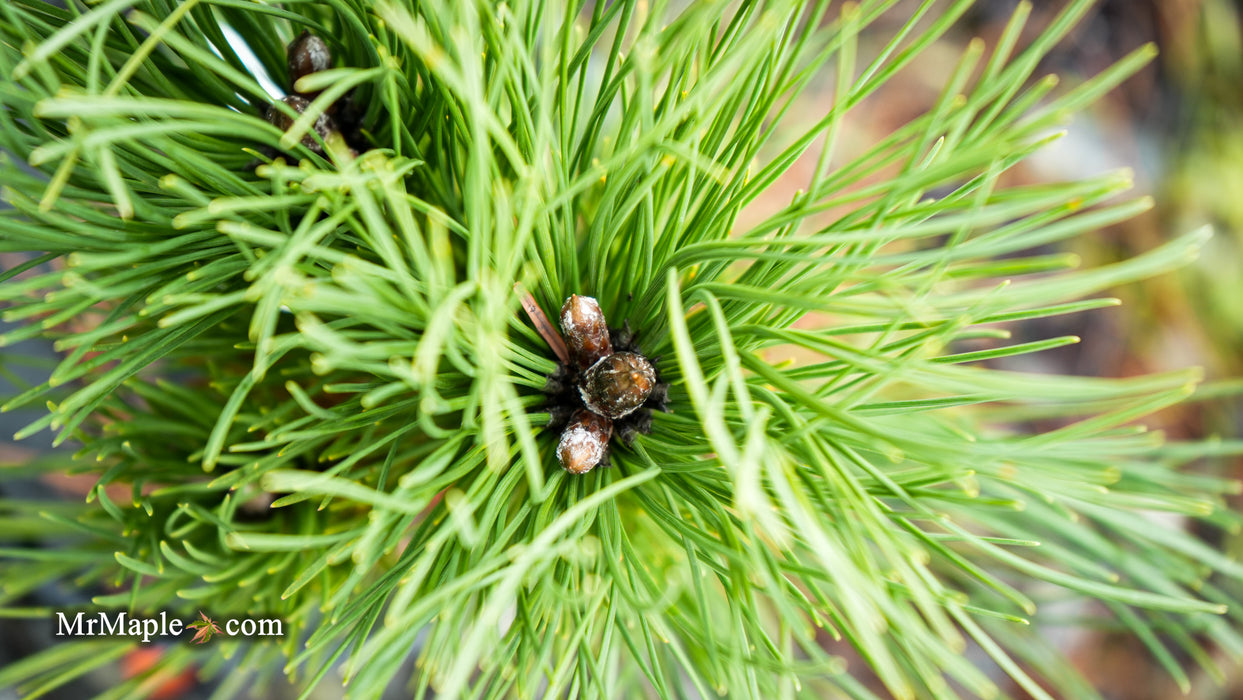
[849, 496]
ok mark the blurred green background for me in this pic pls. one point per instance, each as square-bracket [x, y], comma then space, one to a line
[1179, 125]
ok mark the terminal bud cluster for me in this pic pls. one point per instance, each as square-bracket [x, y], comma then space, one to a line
[605, 387]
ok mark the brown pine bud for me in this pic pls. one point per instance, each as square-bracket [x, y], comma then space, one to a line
[307, 54]
[324, 125]
[617, 384]
[584, 441]
[586, 332]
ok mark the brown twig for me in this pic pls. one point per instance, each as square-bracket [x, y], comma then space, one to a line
[545, 328]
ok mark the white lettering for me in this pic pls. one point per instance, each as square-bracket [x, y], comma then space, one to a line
[64, 628]
[115, 626]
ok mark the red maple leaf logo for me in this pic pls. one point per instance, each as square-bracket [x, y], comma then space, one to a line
[204, 627]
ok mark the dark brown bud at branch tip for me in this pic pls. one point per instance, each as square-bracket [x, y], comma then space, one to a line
[584, 441]
[618, 384]
[323, 126]
[586, 332]
[306, 55]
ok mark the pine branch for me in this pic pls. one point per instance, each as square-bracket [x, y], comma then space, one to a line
[307, 388]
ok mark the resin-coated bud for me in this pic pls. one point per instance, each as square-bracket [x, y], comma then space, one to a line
[617, 384]
[324, 125]
[306, 55]
[586, 332]
[584, 441]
